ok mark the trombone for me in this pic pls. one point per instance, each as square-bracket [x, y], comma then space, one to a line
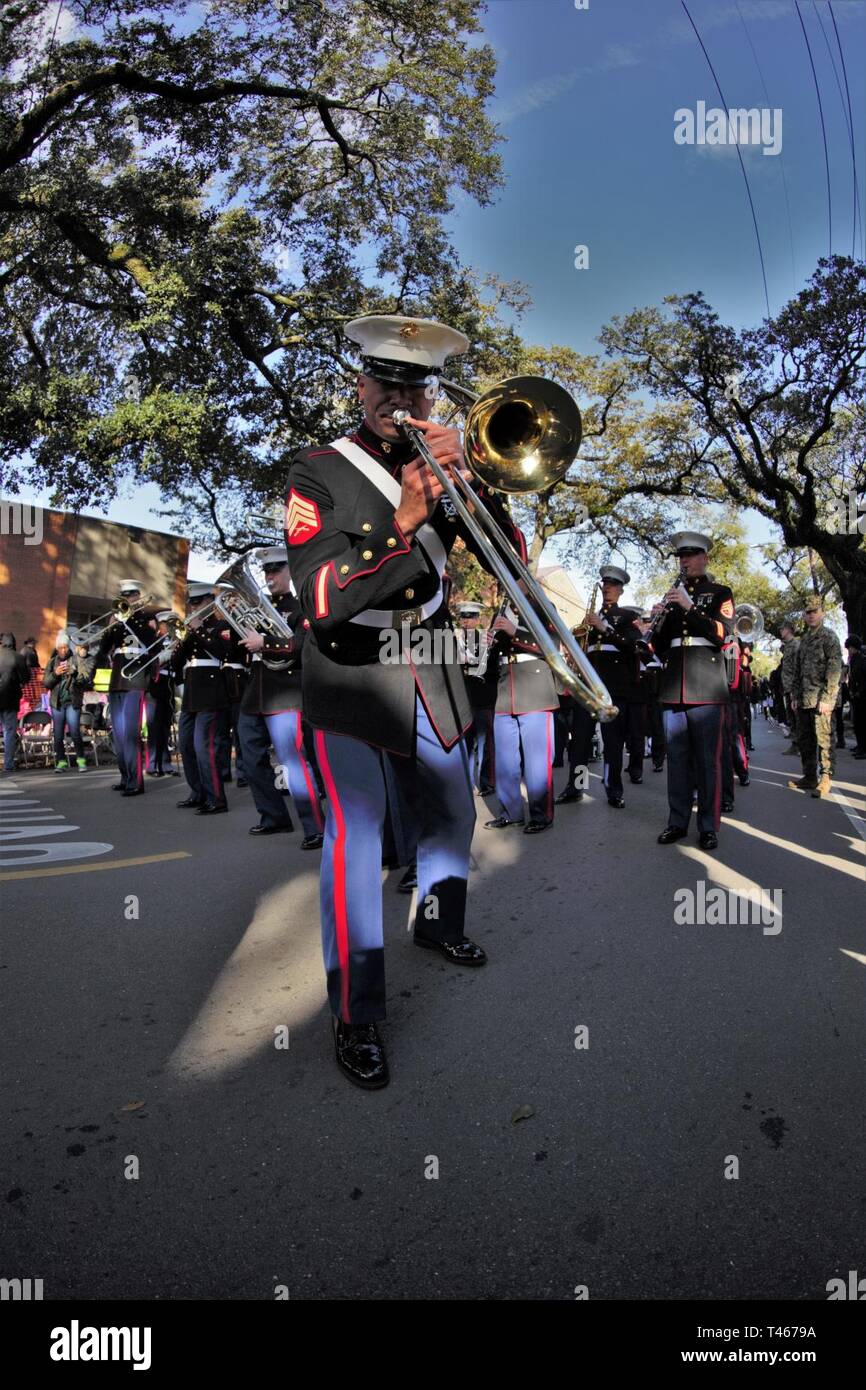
[166, 642]
[521, 435]
[93, 632]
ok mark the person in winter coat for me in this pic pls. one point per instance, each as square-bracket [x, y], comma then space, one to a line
[67, 676]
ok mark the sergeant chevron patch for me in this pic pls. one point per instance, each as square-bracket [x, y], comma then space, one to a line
[302, 518]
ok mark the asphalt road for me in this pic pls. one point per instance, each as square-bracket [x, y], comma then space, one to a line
[152, 1037]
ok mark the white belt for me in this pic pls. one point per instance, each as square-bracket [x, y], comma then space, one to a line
[202, 661]
[692, 642]
[525, 656]
[235, 666]
[384, 617]
[605, 647]
[130, 651]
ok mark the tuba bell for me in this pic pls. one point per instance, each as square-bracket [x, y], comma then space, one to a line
[748, 622]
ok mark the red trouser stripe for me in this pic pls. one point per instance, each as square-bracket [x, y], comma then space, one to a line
[312, 790]
[341, 919]
[549, 768]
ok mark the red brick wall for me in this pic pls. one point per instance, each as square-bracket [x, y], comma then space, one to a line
[34, 581]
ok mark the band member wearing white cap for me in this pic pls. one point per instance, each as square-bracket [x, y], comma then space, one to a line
[122, 642]
[368, 538]
[611, 647]
[698, 618]
[525, 700]
[68, 674]
[198, 663]
[271, 714]
[159, 705]
[481, 666]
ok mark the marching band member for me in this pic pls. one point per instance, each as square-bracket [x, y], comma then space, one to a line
[611, 648]
[525, 701]
[650, 678]
[159, 706]
[271, 714]
[121, 642]
[481, 671]
[698, 619]
[368, 539]
[198, 663]
[236, 672]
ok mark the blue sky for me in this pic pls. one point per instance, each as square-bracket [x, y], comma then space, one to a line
[585, 101]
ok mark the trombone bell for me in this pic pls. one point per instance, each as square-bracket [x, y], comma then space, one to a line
[521, 435]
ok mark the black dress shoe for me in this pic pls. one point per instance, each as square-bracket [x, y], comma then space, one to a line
[118, 787]
[658, 767]
[535, 827]
[636, 780]
[727, 806]
[501, 823]
[360, 1054]
[134, 791]
[211, 808]
[463, 952]
[709, 840]
[313, 842]
[671, 833]
[409, 882]
[156, 774]
[271, 829]
[570, 794]
[190, 801]
[745, 779]
[617, 802]
[242, 782]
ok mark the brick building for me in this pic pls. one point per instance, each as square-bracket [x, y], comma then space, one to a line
[66, 570]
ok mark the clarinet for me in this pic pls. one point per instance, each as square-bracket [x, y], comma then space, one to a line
[645, 643]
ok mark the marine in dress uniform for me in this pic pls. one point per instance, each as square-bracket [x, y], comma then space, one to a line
[694, 691]
[236, 672]
[525, 700]
[121, 643]
[650, 681]
[368, 537]
[159, 707]
[612, 649]
[481, 670]
[198, 663]
[270, 714]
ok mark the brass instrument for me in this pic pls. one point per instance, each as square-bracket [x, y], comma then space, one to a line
[247, 609]
[167, 643]
[583, 629]
[748, 622]
[519, 436]
[93, 632]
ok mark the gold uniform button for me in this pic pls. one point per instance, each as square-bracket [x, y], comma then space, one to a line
[344, 569]
[367, 526]
[410, 593]
[366, 554]
[333, 646]
[391, 541]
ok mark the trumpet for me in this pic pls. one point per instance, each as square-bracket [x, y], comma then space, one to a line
[521, 435]
[93, 632]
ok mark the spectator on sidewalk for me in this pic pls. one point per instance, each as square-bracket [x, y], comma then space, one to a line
[67, 676]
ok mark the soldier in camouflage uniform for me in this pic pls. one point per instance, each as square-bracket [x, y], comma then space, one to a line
[816, 685]
[790, 644]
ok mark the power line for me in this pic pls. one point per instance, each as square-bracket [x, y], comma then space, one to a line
[739, 157]
[850, 119]
[845, 118]
[781, 156]
[823, 127]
